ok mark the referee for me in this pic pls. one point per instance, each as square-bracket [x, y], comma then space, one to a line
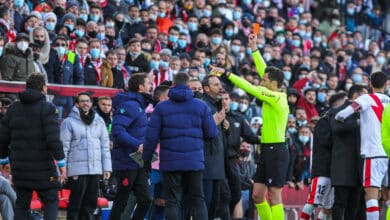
[272, 168]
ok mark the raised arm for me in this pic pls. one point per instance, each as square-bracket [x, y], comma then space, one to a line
[257, 58]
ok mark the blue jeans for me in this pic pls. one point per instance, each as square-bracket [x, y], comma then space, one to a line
[156, 212]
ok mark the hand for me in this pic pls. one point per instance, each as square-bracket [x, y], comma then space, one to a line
[290, 184]
[219, 117]
[140, 148]
[216, 71]
[300, 185]
[226, 124]
[252, 42]
[62, 176]
[106, 175]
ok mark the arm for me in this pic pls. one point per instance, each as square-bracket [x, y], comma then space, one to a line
[259, 63]
[78, 74]
[247, 134]
[386, 130]
[105, 148]
[8, 66]
[348, 111]
[209, 127]
[348, 125]
[51, 130]
[152, 135]
[66, 137]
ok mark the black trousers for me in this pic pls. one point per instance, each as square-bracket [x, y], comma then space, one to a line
[180, 186]
[217, 195]
[136, 181]
[233, 177]
[84, 192]
[49, 197]
[346, 202]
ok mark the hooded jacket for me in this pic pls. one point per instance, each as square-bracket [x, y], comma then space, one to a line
[128, 129]
[86, 147]
[30, 136]
[180, 124]
[16, 65]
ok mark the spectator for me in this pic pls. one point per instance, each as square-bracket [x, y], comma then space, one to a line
[128, 130]
[96, 70]
[7, 199]
[308, 102]
[40, 36]
[137, 61]
[181, 179]
[87, 153]
[6, 30]
[112, 60]
[35, 142]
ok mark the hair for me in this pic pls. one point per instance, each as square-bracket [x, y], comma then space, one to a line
[94, 40]
[159, 91]
[336, 97]
[104, 98]
[133, 41]
[111, 52]
[3, 11]
[82, 40]
[35, 81]
[378, 80]
[206, 80]
[63, 38]
[355, 89]
[83, 93]
[275, 74]
[173, 28]
[181, 78]
[310, 89]
[136, 80]
[94, 5]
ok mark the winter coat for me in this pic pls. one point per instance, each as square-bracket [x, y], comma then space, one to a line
[107, 75]
[30, 137]
[128, 129]
[180, 125]
[86, 147]
[16, 65]
[214, 148]
[346, 166]
[139, 65]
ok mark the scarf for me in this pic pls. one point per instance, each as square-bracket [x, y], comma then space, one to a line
[98, 68]
[87, 118]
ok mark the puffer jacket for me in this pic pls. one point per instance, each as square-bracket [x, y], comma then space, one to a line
[86, 147]
[16, 65]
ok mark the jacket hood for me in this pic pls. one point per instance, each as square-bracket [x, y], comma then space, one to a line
[127, 96]
[180, 93]
[11, 49]
[75, 113]
[29, 96]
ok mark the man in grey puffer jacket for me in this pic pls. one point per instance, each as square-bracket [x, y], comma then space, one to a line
[87, 153]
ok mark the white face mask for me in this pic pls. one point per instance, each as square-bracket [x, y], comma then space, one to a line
[243, 107]
[22, 45]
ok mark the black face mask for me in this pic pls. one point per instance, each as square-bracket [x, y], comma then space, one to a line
[40, 43]
[119, 23]
[92, 34]
[216, 25]
[36, 56]
[340, 59]
[201, 44]
[204, 28]
[198, 95]
[246, 23]
[60, 12]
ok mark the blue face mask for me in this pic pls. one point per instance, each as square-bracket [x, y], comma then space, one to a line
[50, 26]
[133, 54]
[95, 53]
[192, 26]
[154, 64]
[236, 15]
[300, 123]
[100, 36]
[206, 62]
[173, 39]
[70, 26]
[254, 130]
[18, 3]
[249, 51]
[61, 51]
[247, 2]
[303, 139]
[321, 97]
[233, 106]
[182, 43]
[216, 40]
[1, 51]
[95, 18]
[201, 76]
[161, 14]
[207, 13]
[381, 60]
[229, 32]
[292, 130]
[296, 43]
[351, 11]
[164, 64]
[236, 48]
[287, 75]
[357, 78]
[280, 39]
[79, 33]
[317, 39]
[84, 17]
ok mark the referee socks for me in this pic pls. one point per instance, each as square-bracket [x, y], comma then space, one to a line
[264, 211]
[277, 212]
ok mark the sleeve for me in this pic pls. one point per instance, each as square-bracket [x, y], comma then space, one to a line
[364, 102]
[78, 74]
[338, 128]
[6, 189]
[259, 92]
[152, 135]
[51, 130]
[123, 117]
[105, 148]
[4, 136]
[300, 84]
[8, 67]
[210, 129]
[259, 63]
[247, 134]
[66, 137]
[386, 130]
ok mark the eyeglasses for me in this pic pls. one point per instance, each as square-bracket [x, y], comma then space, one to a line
[60, 45]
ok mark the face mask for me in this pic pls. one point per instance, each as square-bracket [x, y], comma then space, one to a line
[236, 15]
[182, 43]
[233, 106]
[249, 51]
[336, 22]
[192, 26]
[110, 24]
[101, 36]
[236, 48]
[84, 17]
[61, 51]
[18, 3]
[29, 29]
[303, 21]
[301, 123]
[317, 39]
[1, 51]
[292, 130]
[247, 2]
[381, 60]
[308, 34]
[296, 43]
[278, 28]
[321, 97]
[267, 57]
[206, 61]
[243, 107]
[300, 10]
[287, 75]
[70, 26]
[92, 34]
[50, 26]
[154, 64]
[350, 11]
[207, 13]
[302, 33]
[164, 64]
[95, 18]
[357, 78]
[280, 39]
[229, 32]
[174, 72]
[198, 95]
[134, 54]
[173, 39]
[95, 53]
[216, 40]
[255, 130]
[348, 86]
[79, 33]
[22, 45]
[201, 76]
[222, 11]
[303, 139]
[239, 91]
[161, 14]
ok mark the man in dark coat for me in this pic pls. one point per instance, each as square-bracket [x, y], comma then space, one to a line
[346, 165]
[30, 137]
[181, 124]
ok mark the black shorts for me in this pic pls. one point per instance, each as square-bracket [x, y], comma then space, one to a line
[273, 165]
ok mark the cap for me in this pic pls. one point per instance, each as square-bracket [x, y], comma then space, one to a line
[292, 91]
[22, 36]
[69, 16]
